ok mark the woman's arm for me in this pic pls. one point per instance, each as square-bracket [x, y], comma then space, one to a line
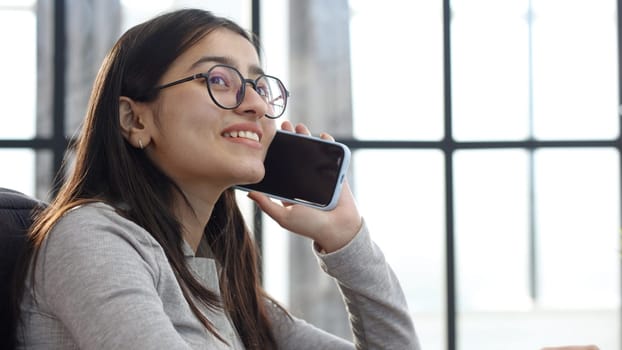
[379, 316]
[376, 304]
[375, 301]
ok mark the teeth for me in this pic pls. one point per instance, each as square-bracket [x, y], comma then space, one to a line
[243, 134]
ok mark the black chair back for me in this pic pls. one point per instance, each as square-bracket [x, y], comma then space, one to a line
[16, 215]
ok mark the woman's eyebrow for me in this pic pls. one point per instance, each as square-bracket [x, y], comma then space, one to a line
[253, 69]
[215, 59]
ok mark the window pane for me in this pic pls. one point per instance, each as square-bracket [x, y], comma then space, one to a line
[21, 176]
[578, 224]
[575, 69]
[557, 71]
[397, 72]
[490, 69]
[19, 73]
[400, 194]
[577, 251]
[491, 217]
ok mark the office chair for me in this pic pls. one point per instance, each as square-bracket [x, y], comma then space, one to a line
[16, 215]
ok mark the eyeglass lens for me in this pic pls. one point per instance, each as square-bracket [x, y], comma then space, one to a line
[227, 87]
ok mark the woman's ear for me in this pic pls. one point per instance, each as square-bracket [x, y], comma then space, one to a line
[132, 123]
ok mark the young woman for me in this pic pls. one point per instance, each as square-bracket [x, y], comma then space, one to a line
[144, 246]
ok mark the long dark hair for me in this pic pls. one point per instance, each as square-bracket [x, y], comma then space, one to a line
[109, 169]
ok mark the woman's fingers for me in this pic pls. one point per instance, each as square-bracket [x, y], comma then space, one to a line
[268, 206]
[287, 126]
[302, 129]
[325, 136]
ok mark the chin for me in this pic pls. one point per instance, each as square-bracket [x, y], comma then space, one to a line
[252, 177]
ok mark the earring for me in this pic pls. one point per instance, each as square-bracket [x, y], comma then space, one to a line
[140, 144]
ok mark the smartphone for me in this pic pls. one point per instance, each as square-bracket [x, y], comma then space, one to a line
[303, 169]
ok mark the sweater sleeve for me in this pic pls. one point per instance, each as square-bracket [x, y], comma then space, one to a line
[376, 305]
[100, 283]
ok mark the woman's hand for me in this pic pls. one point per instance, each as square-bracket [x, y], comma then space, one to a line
[331, 230]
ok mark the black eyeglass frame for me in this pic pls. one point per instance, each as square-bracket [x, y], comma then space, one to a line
[242, 91]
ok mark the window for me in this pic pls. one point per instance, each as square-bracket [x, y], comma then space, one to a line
[497, 199]
[19, 72]
[486, 155]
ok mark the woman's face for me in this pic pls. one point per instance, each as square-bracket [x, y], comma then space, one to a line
[198, 144]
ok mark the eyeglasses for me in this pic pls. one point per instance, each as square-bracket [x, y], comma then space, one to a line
[227, 87]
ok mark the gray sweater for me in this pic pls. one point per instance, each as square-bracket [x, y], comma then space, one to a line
[102, 282]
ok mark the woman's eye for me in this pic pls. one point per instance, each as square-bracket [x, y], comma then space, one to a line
[216, 80]
[262, 90]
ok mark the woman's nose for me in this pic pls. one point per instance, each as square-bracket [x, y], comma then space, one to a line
[252, 103]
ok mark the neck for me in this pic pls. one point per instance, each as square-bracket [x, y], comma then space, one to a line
[194, 216]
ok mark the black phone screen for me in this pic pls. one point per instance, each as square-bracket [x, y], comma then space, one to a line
[301, 168]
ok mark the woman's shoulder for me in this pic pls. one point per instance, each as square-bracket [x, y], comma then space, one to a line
[99, 225]
[90, 249]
